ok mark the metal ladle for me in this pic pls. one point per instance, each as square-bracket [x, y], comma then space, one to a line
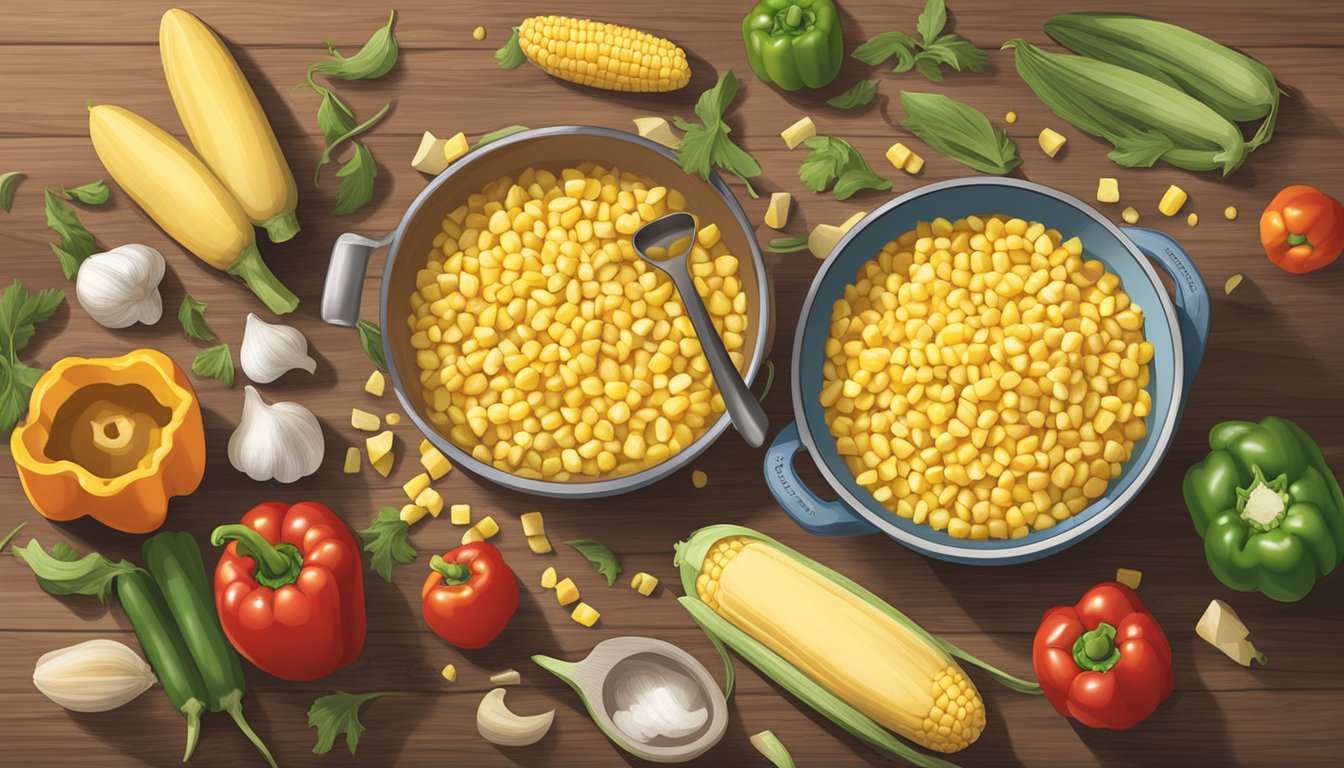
[666, 244]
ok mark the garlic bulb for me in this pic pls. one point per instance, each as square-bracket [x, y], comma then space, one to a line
[121, 287]
[271, 349]
[93, 676]
[275, 442]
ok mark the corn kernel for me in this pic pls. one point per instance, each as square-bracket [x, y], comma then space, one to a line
[351, 460]
[799, 132]
[375, 384]
[1172, 200]
[487, 527]
[1010, 117]
[914, 164]
[566, 591]
[1051, 141]
[364, 421]
[1129, 577]
[533, 525]
[1230, 212]
[392, 419]
[435, 463]
[898, 155]
[412, 513]
[1108, 190]
[1192, 219]
[449, 673]
[585, 614]
[460, 514]
[455, 147]
[699, 479]
[548, 578]
[540, 544]
[415, 485]
[1129, 215]
[644, 583]
[430, 500]
[471, 536]
[478, 33]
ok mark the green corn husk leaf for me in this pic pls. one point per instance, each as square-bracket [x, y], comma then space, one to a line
[1145, 119]
[770, 747]
[1231, 83]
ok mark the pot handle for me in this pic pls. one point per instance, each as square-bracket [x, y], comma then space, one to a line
[813, 513]
[1192, 297]
[345, 277]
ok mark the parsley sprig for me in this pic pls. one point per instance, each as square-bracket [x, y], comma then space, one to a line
[706, 145]
[20, 314]
[934, 48]
[831, 159]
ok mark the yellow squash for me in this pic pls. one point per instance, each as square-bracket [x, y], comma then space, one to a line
[181, 195]
[226, 123]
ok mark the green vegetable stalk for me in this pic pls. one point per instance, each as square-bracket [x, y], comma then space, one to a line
[794, 43]
[1268, 508]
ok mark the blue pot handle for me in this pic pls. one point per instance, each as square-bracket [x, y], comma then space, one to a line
[1192, 298]
[813, 513]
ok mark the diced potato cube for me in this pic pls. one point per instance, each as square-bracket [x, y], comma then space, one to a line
[392, 419]
[1129, 215]
[777, 214]
[1172, 200]
[460, 514]
[379, 446]
[898, 155]
[455, 147]
[1220, 625]
[533, 525]
[364, 421]
[429, 158]
[708, 236]
[657, 130]
[425, 446]
[450, 673]
[383, 466]
[644, 583]
[585, 614]
[412, 514]
[540, 544]
[566, 591]
[415, 485]
[1129, 577]
[430, 500]
[1108, 190]
[823, 239]
[435, 463]
[487, 526]
[376, 384]
[548, 578]
[915, 164]
[351, 460]
[799, 132]
[1051, 141]
[699, 479]
[471, 535]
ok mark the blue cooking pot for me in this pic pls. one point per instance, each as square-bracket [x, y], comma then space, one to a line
[1178, 332]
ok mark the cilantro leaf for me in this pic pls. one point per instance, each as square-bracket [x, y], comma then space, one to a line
[510, 55]
[357, 176]
[93, 193]
[9, 181]
[77, 243]
[65, 573]
[192, 317]
[20, 314]
[832, 159]
[883, 46]
[598, 556]
[959, 131]
[861, 95]
[386, 539]
[706, 144]
[215, 363]
[338, 713]
[371, 341]
[932, 20]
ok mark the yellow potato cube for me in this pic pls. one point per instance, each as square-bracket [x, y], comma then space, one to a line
[548, 578]
[699, 479]
[351, 460]
[1108, 190]
[533, 525]
[364, 421]
[565, 591]
[1129, 577]
[425, 446]
[915, 164]
[1172, 200]
[415, 485]
[435, 463]
[471, 535]
[429, 157]
[540, 544]
[799, 132]
[455, 147]
[430, 500]
[657, 130]
[379, 446]
[777, 214]
[898, 155]
[823, 239]
[383, 466]
[376, 384]
[644, 583]
[585, 615]
[392, 419]
[460, 514]
[1130, 215]
[1051, 141]
[487, 526]
[412, 513]
[449, 673]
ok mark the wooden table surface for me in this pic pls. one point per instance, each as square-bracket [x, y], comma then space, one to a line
[1275, 349]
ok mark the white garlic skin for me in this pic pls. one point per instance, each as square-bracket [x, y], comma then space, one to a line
[271, 349]
[121, 287]
[92, 676]
[281, 441]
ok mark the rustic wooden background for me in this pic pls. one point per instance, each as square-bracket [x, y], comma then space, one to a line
[1275, 349]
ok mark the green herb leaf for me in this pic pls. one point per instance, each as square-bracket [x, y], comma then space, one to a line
[861, 95]
[960, 132]
[928, 67]
[386, 538]
[598, 556]
[215, 363]
[932, 20]
[91, 574]
[338, 713]
[510, 55]
[371, 341]
[706, 145]
[858, 179]
[786, 244]
[77, 243]
[334, 117]
[883, 46]
[20, 314]
[832, 159]
[374, 60]
[956, 52]
[499, 134]
[93, 193]
[769, 380]
[8, 183]
[357, 176]
[192, 317]
[332, 144]
[10, 536]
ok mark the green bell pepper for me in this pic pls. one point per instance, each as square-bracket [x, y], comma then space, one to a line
[794, 43]
[1268, 508]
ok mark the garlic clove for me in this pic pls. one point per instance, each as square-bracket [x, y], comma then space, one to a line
[92, 676]
[499, 725]
[121, 287]
[280, 441]
[271, 349]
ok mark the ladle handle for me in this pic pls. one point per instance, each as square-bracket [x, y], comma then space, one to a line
[345, 277]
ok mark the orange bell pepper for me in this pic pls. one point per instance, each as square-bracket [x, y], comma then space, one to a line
[1302, 229]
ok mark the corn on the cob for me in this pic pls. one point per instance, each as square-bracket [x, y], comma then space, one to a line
[226, 123]
[598, 55]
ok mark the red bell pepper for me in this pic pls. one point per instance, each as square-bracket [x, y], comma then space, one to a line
[1302, 229]
[469, 595]
[289, 589]
[1103, 661]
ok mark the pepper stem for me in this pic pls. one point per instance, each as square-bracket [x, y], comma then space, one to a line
[1298, 238]
[1096, 650]
[277, 565]
[452, 573]
[793, 16]
[1264, 503]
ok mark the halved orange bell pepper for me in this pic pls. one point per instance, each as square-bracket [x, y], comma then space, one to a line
[113, 438]
[1302, 229]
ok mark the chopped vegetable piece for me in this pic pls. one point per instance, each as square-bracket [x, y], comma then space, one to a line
[379, 446]
[777, 214]
[383, 466]
[1221, 628]
[449, 673]
[898, 155]
[823, 239]
[1232, 283]
[914, 165]
[708, 236]
[415, 485]
[425, 446]
[431, 500]
[364, 421]
[1130, 215]
[795, 134]
[644, 583]
[533, 525]
[1230, 212]
[471, 536]
[435, 463]
[769, 745]
[1051, 141]
[455, 147]
[598, 556]
[352, 460]
[540, 544]
[787, 244]
[412, 513]
[657, 130]
[478, 33]
[1129, 577]
[1192, 219]
[1010, 117]
[548, 578]
[699, 479]
[585, 614]
[497, 724]
[392, 419]
[487, 527]
[460, 514]
[1172, 200]
[375, 384]
[385, 538]
[429, 158]
[1108, 190]
[566, 591]
[507, 677]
